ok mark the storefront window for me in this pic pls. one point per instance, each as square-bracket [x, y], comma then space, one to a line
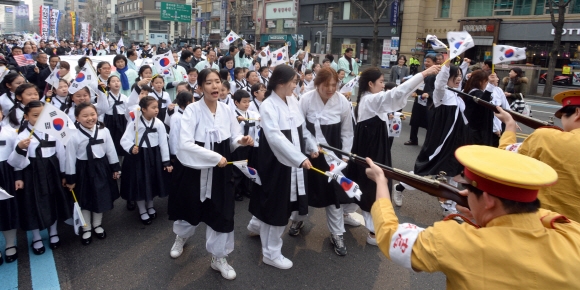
[444, 11]
[574, 7]
[357, 13]
[479, 8]
[321, 11]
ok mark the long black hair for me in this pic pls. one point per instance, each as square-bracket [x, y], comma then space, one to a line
[282, 74]
[69, 101]
[371, 74]
[203, 74]
[19, 91]
[8, 79]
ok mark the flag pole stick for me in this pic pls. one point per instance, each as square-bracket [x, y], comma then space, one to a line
[232, 162]
[318, 170]
[80, 213]
[31, 132]
[73, 194]
[492, 64]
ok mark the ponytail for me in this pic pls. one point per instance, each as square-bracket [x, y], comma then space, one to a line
[282, 74]
[369, 75]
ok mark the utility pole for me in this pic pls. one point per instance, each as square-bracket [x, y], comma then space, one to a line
[329, 31]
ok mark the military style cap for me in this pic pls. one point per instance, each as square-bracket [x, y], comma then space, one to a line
[567, 98]
[504, 174]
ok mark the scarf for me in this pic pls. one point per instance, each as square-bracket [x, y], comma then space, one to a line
[124, 79]
[349, 62]
[232, 73]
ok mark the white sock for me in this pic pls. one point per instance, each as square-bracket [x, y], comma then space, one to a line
[97, 219]
[150, 208]
[10, 237]
[87, 229]
[53, 231]
[142, 209]
[36, 237]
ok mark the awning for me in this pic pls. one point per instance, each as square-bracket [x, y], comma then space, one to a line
[483, 40]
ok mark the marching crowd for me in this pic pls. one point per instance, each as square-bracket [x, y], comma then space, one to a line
[196, 135]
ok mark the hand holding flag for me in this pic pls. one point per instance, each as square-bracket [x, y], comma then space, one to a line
[505, 53]
[459, 42]
[347, 88]
[350, 187]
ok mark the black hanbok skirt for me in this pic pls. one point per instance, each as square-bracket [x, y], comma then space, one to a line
[270, 202]
[321, 193]
[117, 125]
[95, 188]
[8, 207]
[43, 200]
[370, 140]
[184, 202]
[440, 125]
[143, 176]
[419, 115]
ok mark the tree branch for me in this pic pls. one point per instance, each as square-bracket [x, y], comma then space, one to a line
[385, 7]
[364, 10]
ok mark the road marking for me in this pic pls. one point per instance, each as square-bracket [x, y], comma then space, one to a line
[540, 102]
[8, 271]
[42, 267]
[544, 105]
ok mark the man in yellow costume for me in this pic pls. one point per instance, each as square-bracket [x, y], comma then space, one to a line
[512, 244]
[559, 149]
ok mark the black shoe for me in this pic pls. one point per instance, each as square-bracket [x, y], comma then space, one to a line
[101, 235]
[239, 197]
[52, 245]
[88, 240]
[131, 205]
[152, 215]
[295, 228]
[411, 143]
[148, 221]
[12, 258]
[37, 251]
[338, 243]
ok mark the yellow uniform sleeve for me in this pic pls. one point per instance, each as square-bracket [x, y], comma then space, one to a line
[507, 138]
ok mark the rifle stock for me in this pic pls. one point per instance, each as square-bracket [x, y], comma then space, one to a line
[528, 121]
[430, 186]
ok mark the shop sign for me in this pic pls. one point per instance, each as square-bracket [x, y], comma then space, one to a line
[276, 37]
[569, 31]
[479, 28]
[281, 10]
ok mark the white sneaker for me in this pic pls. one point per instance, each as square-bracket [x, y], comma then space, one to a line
[349, 220]
[280, 263]
[398, 198]
[177, 248]
[252, 232]
[371, 241]
[221, 264]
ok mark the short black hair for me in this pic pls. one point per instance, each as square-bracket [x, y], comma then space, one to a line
[192, 69]
[487, 62]
[196, 48]
[348, 50]
[144, 102]
[232, 48]
[185, 55]
[263, 69]
[511, 206]
[131, 52]
[147, 88]
[239, 95]
[325, 60]
[308, 72]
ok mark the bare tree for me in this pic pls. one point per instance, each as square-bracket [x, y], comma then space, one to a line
[558, 26]
[95, 13]
[240, 8]
[379, 8]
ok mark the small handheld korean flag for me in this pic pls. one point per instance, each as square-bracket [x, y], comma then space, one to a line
[506, 53]
[435, 43]
[54, 122]
[85, 78]
[264, 56]
[232, 36]
[248, 171]
[119, 44]
[459, 42]
[4, 195]
[395, 125]
[54, 77]
[347, 88]
[78, 219]
[350, 187]
[279, 56]
[163, 63]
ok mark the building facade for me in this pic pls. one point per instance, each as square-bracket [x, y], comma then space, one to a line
[8, 26]
[521, 23]
[351, 28]
[140, 22]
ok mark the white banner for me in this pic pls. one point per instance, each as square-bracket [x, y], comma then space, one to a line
[85, 31]
[45, 22]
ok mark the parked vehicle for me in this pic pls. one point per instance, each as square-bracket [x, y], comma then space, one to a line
[565, 80]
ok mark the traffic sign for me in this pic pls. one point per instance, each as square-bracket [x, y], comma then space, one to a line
[198, 19]
[175, 12]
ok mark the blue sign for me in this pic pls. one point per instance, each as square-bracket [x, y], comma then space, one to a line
[198, 19]
[395, 13]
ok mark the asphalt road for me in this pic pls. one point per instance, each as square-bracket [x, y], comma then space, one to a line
[134, 256]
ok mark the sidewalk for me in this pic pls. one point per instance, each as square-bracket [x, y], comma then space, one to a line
[555, 90]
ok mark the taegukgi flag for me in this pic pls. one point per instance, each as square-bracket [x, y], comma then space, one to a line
[55, 122]
[505, 53]
[248, 171]
[279, 56]
[459, 42]
[350, 187]
[435, 43]
[85, 78]
[232, 36]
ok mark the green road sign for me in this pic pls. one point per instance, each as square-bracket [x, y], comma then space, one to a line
[175, 12]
